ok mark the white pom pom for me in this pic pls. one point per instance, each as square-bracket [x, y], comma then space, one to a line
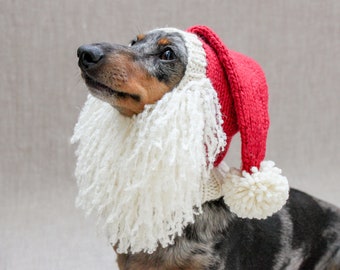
[256, 195]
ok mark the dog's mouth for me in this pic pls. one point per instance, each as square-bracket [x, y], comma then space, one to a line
[104, 89]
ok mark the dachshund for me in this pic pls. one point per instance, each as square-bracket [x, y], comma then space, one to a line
[304, 234]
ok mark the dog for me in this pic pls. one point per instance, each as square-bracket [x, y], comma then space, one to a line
[304, 234]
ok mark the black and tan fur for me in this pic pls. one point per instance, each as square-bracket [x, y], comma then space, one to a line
[305, 234]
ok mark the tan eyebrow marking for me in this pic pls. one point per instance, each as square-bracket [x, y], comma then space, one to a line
[140, 37]
[164, 41]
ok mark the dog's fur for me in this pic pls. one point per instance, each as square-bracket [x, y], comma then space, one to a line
[305, 234]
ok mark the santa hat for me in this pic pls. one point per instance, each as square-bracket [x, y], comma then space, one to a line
[258, 189]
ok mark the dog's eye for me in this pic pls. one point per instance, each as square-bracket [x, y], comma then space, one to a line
[168, 54]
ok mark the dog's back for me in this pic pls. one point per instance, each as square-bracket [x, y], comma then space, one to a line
[305, 234]
[314, 239]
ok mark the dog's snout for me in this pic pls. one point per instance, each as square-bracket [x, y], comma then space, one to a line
[89, 56]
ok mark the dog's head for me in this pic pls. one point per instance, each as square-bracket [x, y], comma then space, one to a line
[129, 77]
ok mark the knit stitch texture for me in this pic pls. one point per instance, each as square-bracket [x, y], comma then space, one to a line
[243, 94]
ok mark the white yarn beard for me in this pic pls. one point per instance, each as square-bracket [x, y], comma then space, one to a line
[144, 175]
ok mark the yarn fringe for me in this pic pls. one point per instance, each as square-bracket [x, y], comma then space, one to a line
[143, 176]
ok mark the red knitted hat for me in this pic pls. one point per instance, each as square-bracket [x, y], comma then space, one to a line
[257, 190]
[242, 91]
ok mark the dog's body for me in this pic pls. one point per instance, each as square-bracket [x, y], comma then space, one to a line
[304, 234]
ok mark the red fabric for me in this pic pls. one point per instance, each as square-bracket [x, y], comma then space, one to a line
[243, 94]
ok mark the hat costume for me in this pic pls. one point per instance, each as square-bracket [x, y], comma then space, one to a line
[172, 159]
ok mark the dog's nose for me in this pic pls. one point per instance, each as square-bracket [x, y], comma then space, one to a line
[89, 56]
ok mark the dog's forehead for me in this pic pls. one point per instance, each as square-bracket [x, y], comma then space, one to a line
[161, 37]
[171, 34]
